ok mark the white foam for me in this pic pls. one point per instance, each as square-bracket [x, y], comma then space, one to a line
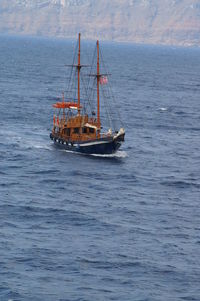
[163, 109]
[26, 141]
[118, 154]
[70, 151]
[42, 146]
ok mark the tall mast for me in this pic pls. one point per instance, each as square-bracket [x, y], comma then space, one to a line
[63, 99]
[79, 68]
[98, 79]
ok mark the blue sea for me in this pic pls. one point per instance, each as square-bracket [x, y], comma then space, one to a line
[124, 227]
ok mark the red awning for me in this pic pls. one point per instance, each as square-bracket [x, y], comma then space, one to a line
[66, 105]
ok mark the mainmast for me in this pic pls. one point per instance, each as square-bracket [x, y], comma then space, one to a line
[79, 68]
[98, 79]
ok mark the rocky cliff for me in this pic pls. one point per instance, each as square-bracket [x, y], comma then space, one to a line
[175, 22]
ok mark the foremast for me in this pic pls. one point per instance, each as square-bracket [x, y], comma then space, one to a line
[79, 69]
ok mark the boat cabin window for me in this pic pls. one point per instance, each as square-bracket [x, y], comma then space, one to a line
[76, 130]
[91, 130]
[84, 130]
[67, 131]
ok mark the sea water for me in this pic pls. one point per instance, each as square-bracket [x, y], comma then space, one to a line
[123, 227]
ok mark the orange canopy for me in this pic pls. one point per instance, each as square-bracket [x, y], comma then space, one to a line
[65, 105]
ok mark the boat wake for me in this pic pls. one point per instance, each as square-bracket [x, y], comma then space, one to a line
[119, 154]
[39, 145]
[24, 141]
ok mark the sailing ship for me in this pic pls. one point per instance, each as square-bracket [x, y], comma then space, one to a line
[76, 129]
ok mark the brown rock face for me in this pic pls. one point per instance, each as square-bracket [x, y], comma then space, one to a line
[175, 22]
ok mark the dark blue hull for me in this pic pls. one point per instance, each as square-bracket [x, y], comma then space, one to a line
[101, 146]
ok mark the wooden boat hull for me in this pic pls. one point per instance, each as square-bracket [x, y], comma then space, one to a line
[107, 145]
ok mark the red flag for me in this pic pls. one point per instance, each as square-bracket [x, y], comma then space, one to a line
[103, 80]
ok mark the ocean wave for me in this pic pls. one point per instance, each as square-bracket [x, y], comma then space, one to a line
[180, 184]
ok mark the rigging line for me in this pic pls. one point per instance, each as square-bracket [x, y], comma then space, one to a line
[91, 96]
[112, 113]
[87, 52]
[108, 108]
[74, 58]
[110, 89]
[112, 94]
[71, 82]
[90, 92]
[92, 67]
[92, 83]
[117, 111]
[74, 78]
[70, 72]
[107, 111]
[84, 95]
[84, 92]
[75, 84]
[72, 90]
[85, 89]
